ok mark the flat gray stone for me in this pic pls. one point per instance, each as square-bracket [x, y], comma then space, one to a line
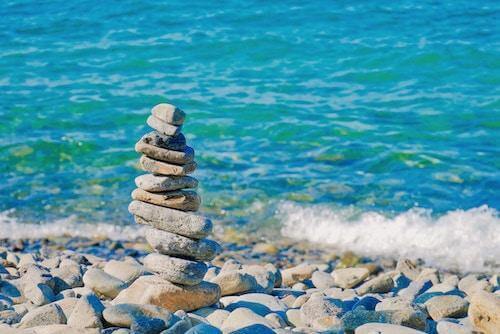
[322, 280]
[177, 245]
[160, 183]
[123, 315]
[170, 220]
[87, 313]
[163, 127]
[185, 200]
[380, 284]
[175, 270]
[102, 283]
[164, 168]
[243, 317]
[347, 278]
[162, 154]
[168, 113]
[375, 328]
[447, 306]
[125, 271]
[176, 143]
[46, 315]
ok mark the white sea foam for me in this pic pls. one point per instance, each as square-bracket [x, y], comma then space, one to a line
[467, 240]
[13, 229]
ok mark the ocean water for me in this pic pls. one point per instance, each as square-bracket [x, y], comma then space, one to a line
[371, 125]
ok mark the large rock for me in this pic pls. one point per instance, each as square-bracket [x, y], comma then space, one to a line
[170, 220]
[176, 143]
[46, 315]
[233, 282]
[168, 113]
[163, 127]
[123, 315]
[265, 276]
[484, 312]
[125, 271]
[318, 311]
[177, 245]
[176, 270]
[379, 284]
[376, 328]
[349, 277]
[157, 291]
[175, 157]
[322, 280]
[446, 306]
[102, 283]
[87, 313]
[296, 274]
[163, 168]
[408, 268]
[161, 183]
[185, 200]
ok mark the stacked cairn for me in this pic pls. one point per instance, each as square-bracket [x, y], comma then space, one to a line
[165, 201]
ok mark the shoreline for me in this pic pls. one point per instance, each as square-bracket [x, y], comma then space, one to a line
[278, 284]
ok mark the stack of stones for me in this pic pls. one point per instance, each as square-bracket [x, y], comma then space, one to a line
[165, 201]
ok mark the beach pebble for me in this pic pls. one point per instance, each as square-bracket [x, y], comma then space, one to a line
[164, 168]
[163, 127]
[155, 290]
[180, 327]
[176, 245]
[275, 320]
[259, 303]
[322, 280]
[484, 311]
[124, 271]
[45, 315]
[217, 317]
[447, 327]
[39, 294]
[102, 283]
[233, 282]
[161, 183]
[204, 329]
[176, 143]
[174, 269]
[147, 326]
[379, 328]
[175, 157]
[440, 307]
[349, 277]
[408, 268]
[185, 200]
[296, 274]
[67, 305]
[67, 277]
[87, 313]
[317, 309]
[122, 315]
[168, 113]
[265, 277]
[472, 283]
[379, 284]
[170, 220]
[243, 317]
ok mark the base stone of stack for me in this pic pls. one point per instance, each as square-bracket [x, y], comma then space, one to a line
[177, 245]
[176, 157]
[157, 291]
[176, 143]
[170, 220]
[163, 127]
[163, 168]
[185, 200]
[160, 183]
[176, 270]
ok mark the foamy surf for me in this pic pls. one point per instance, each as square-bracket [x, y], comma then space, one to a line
[11, 228]
[465, 240]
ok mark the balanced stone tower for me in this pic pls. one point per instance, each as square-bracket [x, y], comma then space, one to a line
[165, 202]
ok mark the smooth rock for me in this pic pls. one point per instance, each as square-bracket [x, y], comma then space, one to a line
[63, 329]
[180, 327]
[125, 271]
[353, 319]
[176, 143]
[87, 313]
[168, 113]
[204, 329]
[318, 308]
[217, 317]
[147, 326]
[349, 277]
[185, 200]
[177, 245]
[276, 320]
[446, 327]
[157, 291]
[408, 268]
[67, 277]
[233, 282]
[470, 284]
[265, 277]
[160, 183]
[170, 220]
[102, 283]
[260, 303]
[243, 317]
[39, 294]
[296, 274]
[176, 270]
[447, 306]
[415, 289]
[378, 328]
[158, 153]
[123, 315]
[322, 280]
[484, 312]
[294, 318]
[67, 305]
[163, 168]
[45, 315]
[163, 127]
[379, 284]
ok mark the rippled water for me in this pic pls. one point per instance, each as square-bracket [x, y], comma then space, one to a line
[378, 106]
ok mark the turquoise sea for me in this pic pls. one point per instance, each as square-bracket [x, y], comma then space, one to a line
[361, 124]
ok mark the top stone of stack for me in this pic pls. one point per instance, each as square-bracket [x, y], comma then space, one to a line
[166, 119]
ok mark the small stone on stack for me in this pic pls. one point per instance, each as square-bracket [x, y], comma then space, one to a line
[165, 201]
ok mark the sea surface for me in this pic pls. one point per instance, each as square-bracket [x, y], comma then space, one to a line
[371, 125]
